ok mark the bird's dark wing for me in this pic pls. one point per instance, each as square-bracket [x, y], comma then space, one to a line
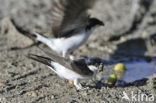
[41, 59]
[63, 61]
[81, 68]
[77, 66]
[69, 15]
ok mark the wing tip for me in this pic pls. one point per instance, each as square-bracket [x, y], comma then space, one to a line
[41, 59]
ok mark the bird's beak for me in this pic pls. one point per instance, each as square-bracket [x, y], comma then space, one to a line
[101, 24]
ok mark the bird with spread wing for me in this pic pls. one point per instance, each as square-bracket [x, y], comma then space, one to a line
[71, 25]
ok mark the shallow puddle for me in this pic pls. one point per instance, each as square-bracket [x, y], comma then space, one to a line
[139, 70]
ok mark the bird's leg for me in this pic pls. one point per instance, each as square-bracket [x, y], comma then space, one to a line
[64, 54]
[71, 56]
[78, 85]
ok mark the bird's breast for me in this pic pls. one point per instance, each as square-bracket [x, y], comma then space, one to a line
[77, 40]
[71, 43]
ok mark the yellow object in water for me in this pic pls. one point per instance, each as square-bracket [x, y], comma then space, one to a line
[112, 80]
[120, 67]
[120, 70]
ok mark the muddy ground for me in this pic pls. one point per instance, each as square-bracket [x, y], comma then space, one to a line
[129, 32]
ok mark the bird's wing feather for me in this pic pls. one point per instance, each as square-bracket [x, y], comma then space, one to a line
[81, 68]
[78, 67]
[69, 15]
[41, 59]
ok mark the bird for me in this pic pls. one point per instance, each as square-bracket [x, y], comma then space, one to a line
[72, 70]
[71, 26]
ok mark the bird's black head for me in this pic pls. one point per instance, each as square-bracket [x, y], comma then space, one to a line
[92, 22]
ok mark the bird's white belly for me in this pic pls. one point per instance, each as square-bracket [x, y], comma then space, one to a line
[69, 44]
[77, 41]
[65, 73]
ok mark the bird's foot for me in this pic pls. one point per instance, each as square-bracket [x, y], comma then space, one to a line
[83, 88]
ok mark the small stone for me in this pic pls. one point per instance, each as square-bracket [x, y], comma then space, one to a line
[52, 97]
[2, 85]
[84, 93]
[71, 83]
[32, 94]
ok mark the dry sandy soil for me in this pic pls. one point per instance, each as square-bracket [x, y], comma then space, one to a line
[130, 32]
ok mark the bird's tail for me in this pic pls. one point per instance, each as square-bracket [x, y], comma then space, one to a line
[44, 60]
[42, 39]
[32, 36]
[24, 32]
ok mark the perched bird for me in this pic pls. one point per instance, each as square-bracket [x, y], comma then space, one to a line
[71, 25]
[72, 70]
